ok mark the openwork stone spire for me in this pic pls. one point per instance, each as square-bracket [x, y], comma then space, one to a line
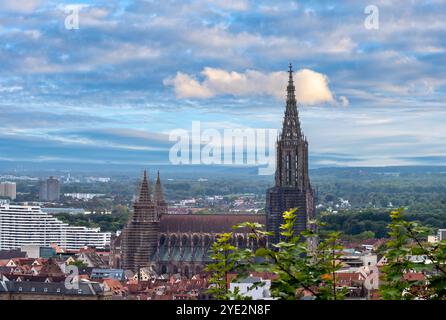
[292, 147]
[144, 191]
[291, 124]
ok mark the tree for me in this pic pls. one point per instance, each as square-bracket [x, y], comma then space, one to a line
[227, 258]
[408, 240]
[78, 263]
[304, 262]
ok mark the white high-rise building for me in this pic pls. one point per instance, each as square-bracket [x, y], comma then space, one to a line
[27, 225]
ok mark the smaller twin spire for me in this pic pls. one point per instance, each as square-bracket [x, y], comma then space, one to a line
[158, 196]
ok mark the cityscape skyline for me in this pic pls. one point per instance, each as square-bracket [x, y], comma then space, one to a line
[110, 92]
[222, 150]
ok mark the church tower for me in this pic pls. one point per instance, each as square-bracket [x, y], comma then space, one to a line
[158, 198]
[292, 182]
[140, 235]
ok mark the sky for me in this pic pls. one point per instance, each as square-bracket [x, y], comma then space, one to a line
[110, 90]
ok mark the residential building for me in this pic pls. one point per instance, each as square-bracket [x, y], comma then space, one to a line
[22, 225]
[254, 287]
[8, 189]
[32, 290]
[441, 234]
[99, 274]
[38, 251]
[49, 189]
[91, 258]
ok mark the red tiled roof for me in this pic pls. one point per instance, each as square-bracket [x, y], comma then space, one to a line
[414, 276]
[348, 278]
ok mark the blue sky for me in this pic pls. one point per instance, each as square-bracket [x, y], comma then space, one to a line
[112, 90]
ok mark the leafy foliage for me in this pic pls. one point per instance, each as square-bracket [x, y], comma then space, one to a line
[356, 222]
[303, 263]
[79, 263]
[408, 242]
[227, 259]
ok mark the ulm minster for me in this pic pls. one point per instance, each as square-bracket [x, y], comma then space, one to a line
[171, 244]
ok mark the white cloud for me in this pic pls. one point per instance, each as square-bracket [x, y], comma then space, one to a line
[187, 87]
[311, 87]
[234, 5]
[24, 6]
[343, 100]
[10, 89]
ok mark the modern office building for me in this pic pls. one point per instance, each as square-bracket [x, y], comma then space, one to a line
[22, 225]
[37, 251]
[49, 189]
[8, 189]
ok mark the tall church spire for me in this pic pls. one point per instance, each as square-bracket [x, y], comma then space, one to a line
[140, 235]
[292, 147]
[292, 182]
[291, 124]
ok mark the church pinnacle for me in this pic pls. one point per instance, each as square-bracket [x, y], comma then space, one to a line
[291, 124]
[144, 192]
[158, 196]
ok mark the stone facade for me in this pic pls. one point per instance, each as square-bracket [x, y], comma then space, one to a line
[185, 240]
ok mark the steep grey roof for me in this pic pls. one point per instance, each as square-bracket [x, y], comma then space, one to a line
[95, 259]
[101, 273]
[85, 289]
[9, 254]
